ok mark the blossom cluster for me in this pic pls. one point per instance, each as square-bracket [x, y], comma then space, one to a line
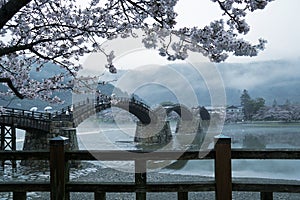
[216, 40]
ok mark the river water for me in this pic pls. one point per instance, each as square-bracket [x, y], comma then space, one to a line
[108, 136]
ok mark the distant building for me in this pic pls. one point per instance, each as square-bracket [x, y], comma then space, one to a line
[234, 113]
[233, 109]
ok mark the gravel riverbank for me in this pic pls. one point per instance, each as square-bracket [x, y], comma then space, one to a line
[111, 175]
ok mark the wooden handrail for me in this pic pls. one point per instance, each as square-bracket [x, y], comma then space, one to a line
[24, 155]
[165, 155]
[116, 155]
[148, 187]
[265, 154]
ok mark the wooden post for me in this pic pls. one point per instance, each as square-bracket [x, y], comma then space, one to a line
[140, 178]
[182, 195]
[100, 195]
[19, 195]
[59, 169]
[266, 195]
[223, 168]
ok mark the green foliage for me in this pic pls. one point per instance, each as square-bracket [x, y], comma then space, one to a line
[257, 104]
[246, 104]
[250, 106]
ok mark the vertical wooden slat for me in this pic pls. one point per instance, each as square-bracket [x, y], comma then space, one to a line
[223, 168]
[140, 178]
[182, 195]
[58, 168]
[266, 195]
[2, 143]
[2, 137]
[13, 146]
[19, 195]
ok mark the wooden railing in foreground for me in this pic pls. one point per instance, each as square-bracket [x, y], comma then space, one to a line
[60, 186]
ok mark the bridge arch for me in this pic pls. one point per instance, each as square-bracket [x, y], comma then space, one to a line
[137, 108]
[183, 111]
[185, 114]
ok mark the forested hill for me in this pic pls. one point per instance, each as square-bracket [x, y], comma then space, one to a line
[272, 80]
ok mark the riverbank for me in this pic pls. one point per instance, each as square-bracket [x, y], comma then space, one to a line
[111, 175]
[96, 173]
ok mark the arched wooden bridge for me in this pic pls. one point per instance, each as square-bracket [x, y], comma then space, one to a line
[40, 126]
[43, 121]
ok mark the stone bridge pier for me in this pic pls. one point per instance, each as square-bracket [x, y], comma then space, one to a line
[39, 140]
[153, 133]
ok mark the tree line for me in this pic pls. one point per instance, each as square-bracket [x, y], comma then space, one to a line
[255, 109]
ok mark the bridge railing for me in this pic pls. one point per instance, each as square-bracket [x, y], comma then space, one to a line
[126, 99]
[60, 186]
[84, 106]
[65, 114]
[25, 113]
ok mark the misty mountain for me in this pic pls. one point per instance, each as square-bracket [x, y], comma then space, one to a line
[192, 85]
[277, 79]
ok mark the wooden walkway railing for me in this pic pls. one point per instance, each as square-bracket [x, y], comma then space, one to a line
[60, 186]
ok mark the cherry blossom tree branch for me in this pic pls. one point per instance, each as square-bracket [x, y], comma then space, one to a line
[12, 87]
[9, 9]
[136, 5]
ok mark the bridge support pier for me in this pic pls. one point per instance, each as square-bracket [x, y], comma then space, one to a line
[39, 140]
[154, 133]
[191, 132]
[36, 140]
